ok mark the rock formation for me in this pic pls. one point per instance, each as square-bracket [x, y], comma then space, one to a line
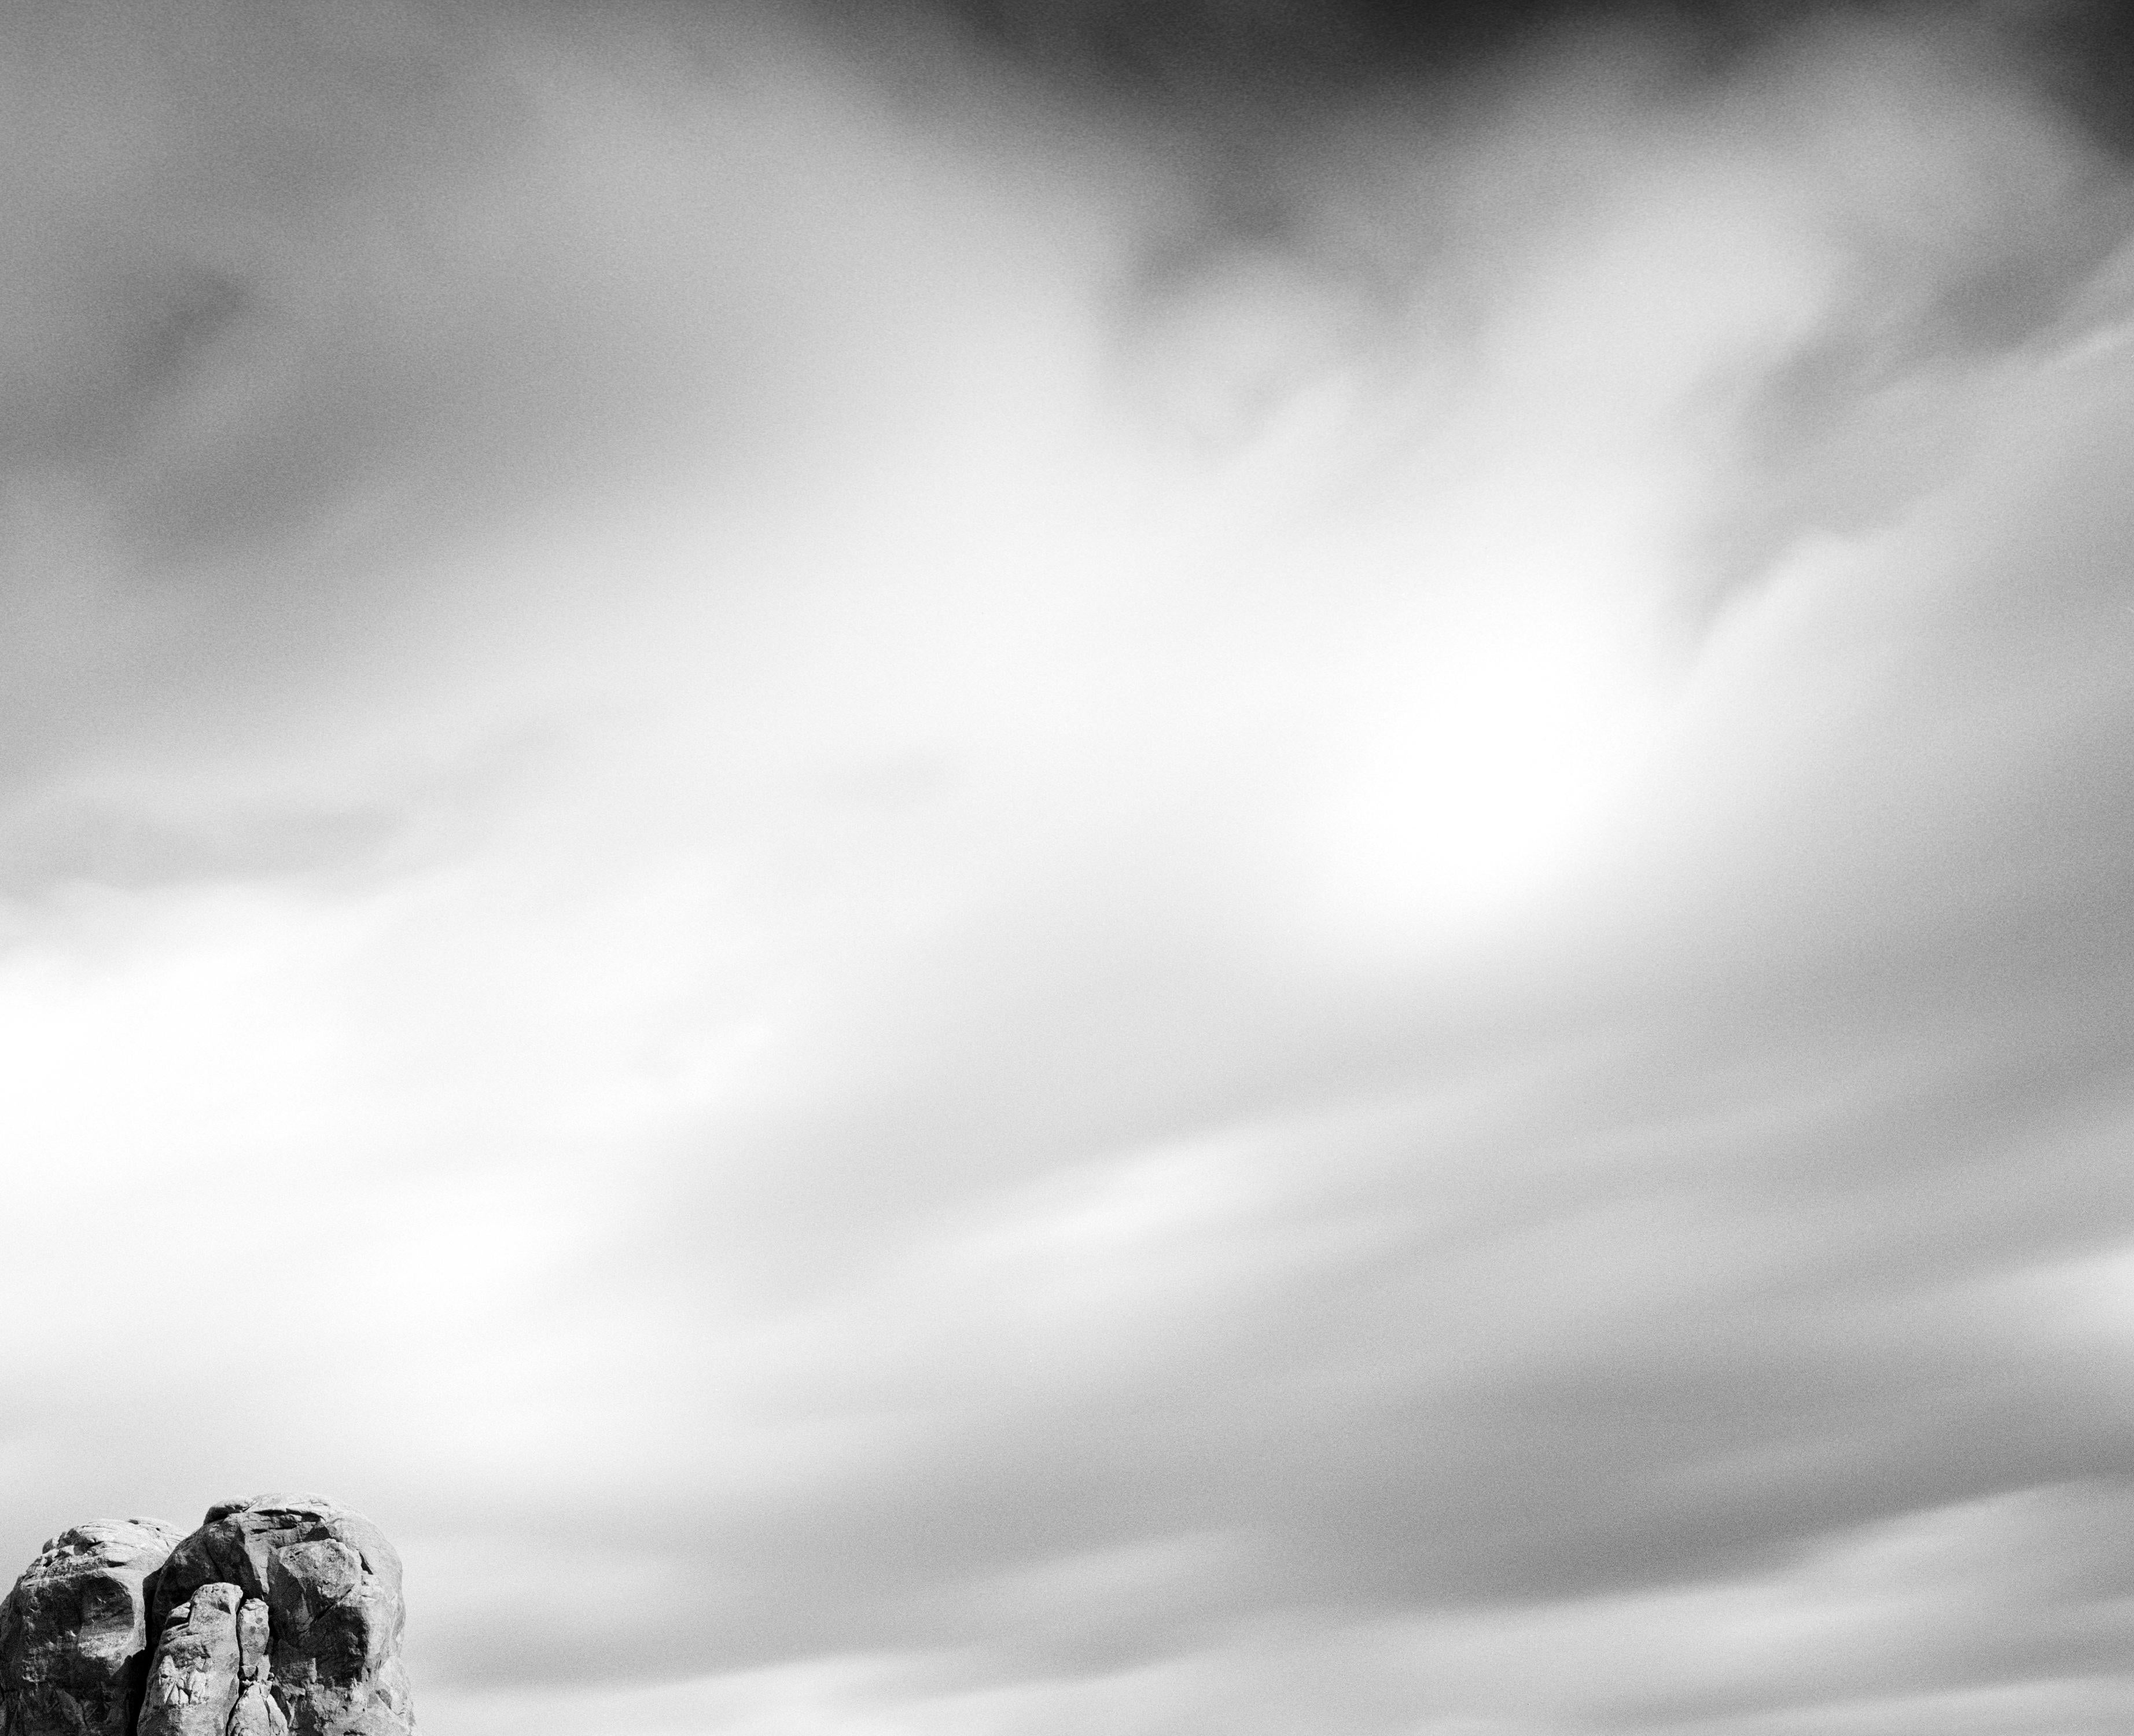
[280, 1616]
[192, 1688]
[74, 1632]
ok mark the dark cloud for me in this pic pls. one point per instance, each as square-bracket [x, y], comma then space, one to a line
[1239, 64]
[1187, 48]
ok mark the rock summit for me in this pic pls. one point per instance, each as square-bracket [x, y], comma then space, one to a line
[281, 1615]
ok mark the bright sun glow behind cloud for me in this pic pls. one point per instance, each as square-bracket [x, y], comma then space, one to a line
[1476, 794]
[1517, 567]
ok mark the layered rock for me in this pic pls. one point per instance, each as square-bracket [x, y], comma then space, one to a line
[74, 1632]
[281, 1615]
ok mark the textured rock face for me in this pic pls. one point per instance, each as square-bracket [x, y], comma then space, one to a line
[313, 1593]
[75, 1632]
[192, 1687]
[279, 1617]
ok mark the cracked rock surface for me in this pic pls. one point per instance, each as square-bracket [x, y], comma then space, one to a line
[75, 1632]
[192, 1685]
[281, 1615]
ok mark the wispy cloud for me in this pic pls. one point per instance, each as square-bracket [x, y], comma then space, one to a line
[924, 918]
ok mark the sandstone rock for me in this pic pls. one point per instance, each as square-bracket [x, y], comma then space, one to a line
[75, 1632]
[258, 1713]
[194, 1682]
[314, 1644]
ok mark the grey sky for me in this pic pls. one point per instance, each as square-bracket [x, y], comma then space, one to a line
[935, 897]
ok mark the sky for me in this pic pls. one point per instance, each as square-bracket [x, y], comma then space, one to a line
[955, 868]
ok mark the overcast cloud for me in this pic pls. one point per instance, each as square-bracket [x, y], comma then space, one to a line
[938, 885]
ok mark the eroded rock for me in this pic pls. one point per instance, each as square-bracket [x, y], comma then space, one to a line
[194, 1682]
[75, 1632]
[322, 1655]
[280, 1616]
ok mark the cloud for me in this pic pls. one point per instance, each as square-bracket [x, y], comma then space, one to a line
[919, 929]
